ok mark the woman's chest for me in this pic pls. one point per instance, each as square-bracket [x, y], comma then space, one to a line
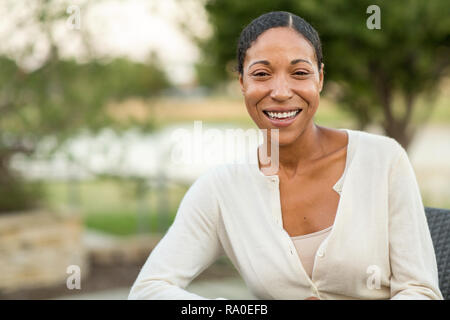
[309, 203]
[307, 210]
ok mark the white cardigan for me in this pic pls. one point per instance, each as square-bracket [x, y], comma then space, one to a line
[379, 247]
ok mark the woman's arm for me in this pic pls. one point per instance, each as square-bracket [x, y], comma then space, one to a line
[190, 245]
[412, 256]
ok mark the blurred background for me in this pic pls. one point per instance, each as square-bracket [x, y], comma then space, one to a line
[92, 92]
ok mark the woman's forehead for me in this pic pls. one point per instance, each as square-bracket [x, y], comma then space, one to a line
[280, 43]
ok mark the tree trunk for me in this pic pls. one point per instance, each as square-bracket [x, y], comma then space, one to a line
[399, 129]
[399, 133]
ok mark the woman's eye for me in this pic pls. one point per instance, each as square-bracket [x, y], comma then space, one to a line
[261, 74]
[300, 73]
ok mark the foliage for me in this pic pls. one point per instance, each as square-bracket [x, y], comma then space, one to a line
[406, 58]
[58, 99]
[14, 191]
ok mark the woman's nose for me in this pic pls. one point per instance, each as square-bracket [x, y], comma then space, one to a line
[281, 90]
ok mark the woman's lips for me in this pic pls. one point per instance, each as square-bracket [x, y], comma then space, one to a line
[282, 122]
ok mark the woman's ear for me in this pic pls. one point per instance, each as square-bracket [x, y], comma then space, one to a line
[241, 83]
[321, 76]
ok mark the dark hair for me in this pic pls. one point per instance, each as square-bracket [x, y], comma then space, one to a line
[272, 20]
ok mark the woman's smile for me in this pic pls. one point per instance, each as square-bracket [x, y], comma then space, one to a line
[281, 118]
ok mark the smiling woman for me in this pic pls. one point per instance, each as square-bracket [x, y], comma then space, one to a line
[282, 90]
[342, 217]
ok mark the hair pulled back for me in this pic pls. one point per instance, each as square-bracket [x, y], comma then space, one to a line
[272, 20]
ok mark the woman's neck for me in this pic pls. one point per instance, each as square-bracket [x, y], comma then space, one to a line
[294, 157]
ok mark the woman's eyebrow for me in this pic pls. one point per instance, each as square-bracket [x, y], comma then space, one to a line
[267, 63]
[300, 60]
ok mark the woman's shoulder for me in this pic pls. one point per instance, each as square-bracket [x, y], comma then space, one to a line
[377, 142]
[228, 173]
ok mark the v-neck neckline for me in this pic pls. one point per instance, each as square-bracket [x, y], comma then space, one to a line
[254, 160]
[352, 135]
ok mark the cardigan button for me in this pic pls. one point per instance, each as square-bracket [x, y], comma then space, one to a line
[320, 253]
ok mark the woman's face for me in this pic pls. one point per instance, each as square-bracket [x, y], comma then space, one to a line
[281, 82]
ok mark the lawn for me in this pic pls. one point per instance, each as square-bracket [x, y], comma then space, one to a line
[112, 207]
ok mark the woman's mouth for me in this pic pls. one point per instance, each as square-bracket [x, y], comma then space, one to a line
[282, 118]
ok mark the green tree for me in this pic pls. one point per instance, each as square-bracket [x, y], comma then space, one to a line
[380, 73]
[58, 99]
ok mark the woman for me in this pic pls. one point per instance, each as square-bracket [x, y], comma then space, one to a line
[342, 216]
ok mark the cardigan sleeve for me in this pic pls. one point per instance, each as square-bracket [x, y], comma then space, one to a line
[189, 246]
[414, 272]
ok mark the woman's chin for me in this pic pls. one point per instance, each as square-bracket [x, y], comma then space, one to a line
[285, 141]
[285, 137]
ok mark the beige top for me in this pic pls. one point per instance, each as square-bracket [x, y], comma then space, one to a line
[307, 246]
[235, 209]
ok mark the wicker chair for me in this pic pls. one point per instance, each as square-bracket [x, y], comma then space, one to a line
[439, 224]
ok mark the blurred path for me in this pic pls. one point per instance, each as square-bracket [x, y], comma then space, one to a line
[233, 288]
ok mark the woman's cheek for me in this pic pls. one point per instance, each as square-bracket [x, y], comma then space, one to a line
[251, 108]
[254, 94]
[310, 94]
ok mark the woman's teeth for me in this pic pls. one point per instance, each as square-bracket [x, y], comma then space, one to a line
[282, 115]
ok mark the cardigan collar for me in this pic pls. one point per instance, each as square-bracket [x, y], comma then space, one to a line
[254, 164]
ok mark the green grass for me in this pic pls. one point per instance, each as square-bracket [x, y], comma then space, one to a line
[113, 207]
[124, 223]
